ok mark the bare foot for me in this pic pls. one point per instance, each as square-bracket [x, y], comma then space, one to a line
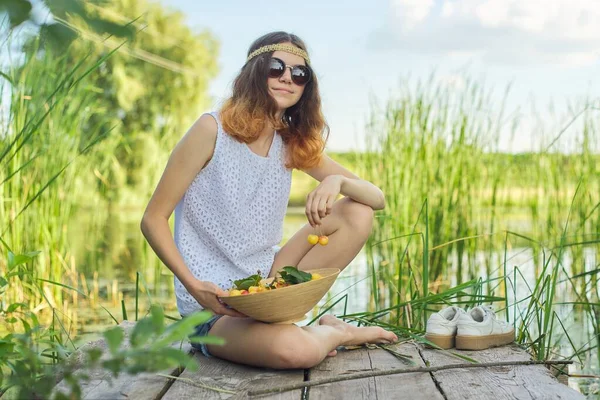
[359, 335]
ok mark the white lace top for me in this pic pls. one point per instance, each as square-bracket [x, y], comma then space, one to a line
[230, 219]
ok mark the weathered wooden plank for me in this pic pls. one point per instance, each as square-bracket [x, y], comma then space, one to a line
[515, 382]
[416, 385]
[141, 386]
[238, 378]
[406, 386]
[345, 362]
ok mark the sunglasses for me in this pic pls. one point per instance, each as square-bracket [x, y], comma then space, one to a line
[300, 73]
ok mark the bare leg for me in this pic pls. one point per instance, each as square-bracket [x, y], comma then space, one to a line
[348, 227]
[289, 346]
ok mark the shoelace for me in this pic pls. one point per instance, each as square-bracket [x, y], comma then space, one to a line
[490, 309]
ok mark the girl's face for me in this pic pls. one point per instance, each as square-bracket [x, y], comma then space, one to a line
[283, 89]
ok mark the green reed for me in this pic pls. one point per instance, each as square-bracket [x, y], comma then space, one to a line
[42, 138]
[55, 151]
[459, 212]
[442, 145]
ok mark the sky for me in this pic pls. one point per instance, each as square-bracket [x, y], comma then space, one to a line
[363, 51]
[548, 50]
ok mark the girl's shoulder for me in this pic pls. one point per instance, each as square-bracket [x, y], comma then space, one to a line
[200, 140]
[205, 130]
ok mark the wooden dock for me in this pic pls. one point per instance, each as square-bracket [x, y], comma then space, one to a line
[233, 381]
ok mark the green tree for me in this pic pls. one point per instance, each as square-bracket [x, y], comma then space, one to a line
[156, 82]
[150, 90]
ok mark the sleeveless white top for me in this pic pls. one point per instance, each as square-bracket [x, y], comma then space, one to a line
[230, 220]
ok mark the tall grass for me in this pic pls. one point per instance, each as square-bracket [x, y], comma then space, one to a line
[56, 164]
[460, 214]
[40, 140]
[47, 133]
[442, 145]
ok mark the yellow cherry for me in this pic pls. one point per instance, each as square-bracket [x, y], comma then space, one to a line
[313, 239]
[316, 276]
[323, 240]
[234, 292]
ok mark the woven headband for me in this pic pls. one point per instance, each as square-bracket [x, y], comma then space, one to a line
[283, 47]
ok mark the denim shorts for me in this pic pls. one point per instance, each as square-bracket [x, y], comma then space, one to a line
[202, 330]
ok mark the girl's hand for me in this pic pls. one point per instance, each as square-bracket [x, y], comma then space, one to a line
[320, 201]
[206, 294]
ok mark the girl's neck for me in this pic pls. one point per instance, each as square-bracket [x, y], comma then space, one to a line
[266, 134]
[268, 130]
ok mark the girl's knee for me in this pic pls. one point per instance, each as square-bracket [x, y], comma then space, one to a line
[292, 359]
[357, 215]
[295, 352]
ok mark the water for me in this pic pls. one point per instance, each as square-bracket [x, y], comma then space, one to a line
[109, 257]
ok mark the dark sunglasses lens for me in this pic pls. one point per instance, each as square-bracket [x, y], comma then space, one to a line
[276, 68]
[300, 75]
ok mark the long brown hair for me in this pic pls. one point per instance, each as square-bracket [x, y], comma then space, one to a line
[302, 127]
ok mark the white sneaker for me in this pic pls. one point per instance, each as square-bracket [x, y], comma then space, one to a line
[441, 326]
[479, 329]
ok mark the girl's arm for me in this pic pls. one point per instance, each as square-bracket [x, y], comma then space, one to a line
[190, 155]
[351, 185]
[336, 179]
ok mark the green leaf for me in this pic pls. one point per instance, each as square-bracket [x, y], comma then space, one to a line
[62, 285]
[111, 28]
[112, 316]
[209, 339]
[124, 310]
[94, 354]
[14, 306]
[14, 260]
[18, 11]
[293, 275]
[61, 396]
[142, 331]
[26, 325]
[57, 34]
[181, 329]
[10, 257]
[114, 338]
[113, 365]
[6, 347]
[180, 357]
[159, 359]
[158, 318]
[244, 284]
[8, 78]
[464, 357]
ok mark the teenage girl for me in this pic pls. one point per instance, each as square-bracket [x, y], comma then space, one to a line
[228, 181]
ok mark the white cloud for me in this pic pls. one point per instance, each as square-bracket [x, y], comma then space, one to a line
[560, 32]
[410, 12]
